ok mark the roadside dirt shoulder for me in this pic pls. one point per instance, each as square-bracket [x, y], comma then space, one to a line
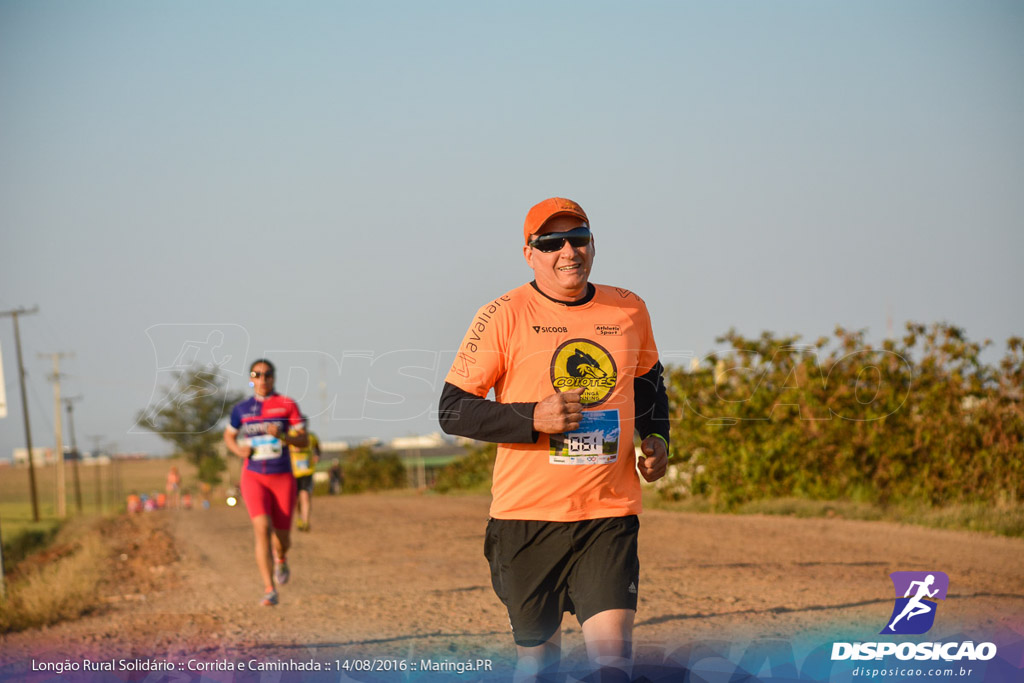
[404, 575]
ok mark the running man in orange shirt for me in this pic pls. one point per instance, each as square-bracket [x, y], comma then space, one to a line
[575, 371]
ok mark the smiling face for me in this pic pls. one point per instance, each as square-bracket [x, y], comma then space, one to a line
[562, 274]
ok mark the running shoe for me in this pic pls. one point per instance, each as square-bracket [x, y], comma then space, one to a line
[269, 599]
[281, 572]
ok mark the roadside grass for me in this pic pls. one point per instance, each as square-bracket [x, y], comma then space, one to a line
[799, 507]
[59, 583]
[103, 490]
[21, 535]
[53, 566]
[1005, 519]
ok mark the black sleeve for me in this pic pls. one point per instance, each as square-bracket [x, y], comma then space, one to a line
[465, 414]
[651, 403]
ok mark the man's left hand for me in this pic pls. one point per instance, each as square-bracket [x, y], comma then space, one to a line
[655, 464]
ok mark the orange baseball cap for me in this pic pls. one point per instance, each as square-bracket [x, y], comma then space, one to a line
[548, 209]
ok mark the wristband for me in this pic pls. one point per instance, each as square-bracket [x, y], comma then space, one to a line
[664, 440]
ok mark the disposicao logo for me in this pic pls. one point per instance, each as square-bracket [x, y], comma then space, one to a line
[916, 596]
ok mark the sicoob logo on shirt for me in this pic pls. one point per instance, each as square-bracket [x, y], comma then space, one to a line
[582, 363]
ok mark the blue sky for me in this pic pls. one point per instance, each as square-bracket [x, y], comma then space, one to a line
[340, 185]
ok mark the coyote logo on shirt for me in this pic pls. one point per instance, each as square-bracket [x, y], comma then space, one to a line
[582, 363]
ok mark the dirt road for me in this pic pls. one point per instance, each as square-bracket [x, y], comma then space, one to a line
[403, 576]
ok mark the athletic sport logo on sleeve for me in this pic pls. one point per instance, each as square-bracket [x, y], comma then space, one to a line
[917, 594]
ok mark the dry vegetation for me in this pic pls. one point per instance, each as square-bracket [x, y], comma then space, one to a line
[54, 568]
[57, 584]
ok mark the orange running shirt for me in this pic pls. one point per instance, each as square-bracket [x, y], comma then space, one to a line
[526, 347]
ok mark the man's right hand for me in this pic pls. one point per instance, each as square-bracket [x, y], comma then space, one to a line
[558, 413]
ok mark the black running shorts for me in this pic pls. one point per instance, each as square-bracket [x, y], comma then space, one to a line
[305, 483]
[542, 569]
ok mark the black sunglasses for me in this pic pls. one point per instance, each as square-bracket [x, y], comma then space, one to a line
[257, 375]
[554, 241]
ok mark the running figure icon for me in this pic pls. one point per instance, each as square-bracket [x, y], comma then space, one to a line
[916, 605]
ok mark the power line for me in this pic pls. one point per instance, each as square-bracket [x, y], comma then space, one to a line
[40, 407]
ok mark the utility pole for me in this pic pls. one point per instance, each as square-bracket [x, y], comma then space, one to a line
[96, 469]
[74, 451]
[24, 405]
[116, 488]
[62, 511]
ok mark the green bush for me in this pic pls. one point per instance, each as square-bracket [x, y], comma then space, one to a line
[366, 470]
[921, 419]
[470, 472]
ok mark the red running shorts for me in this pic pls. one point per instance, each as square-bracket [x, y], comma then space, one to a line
[270, 494]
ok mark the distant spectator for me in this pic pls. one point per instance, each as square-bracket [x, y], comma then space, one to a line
[337, 478]
[204, 492]
[174, 487]
[134, 503]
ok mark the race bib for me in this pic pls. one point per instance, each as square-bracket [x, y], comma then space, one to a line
[264, 447]
[594, 442]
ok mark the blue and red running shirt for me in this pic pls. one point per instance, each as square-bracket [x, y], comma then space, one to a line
[252, 417]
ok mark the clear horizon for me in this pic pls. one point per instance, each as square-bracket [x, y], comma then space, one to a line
[339, 187]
